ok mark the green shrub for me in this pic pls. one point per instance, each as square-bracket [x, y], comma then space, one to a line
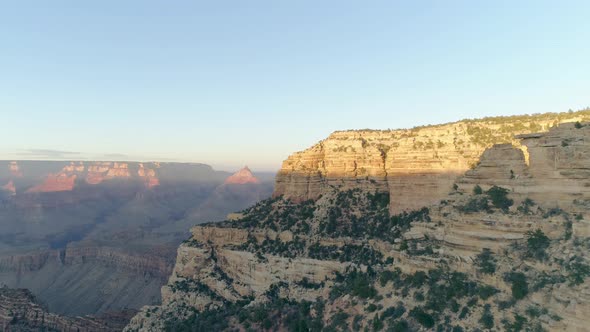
[499, 197]
[525, 206]
[520, 287]
[475, 204]
[518, 325]
[400, 326]
[422, 317]
[486, 262]
[487, 319]
[486, 292]
[578, 271]
[477, 190]
[537, 243]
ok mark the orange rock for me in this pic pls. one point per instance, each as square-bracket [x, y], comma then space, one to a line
[242, 176]
[97, 172]
[149, 175]
[152, 182]
[119, 170]
[55, 182]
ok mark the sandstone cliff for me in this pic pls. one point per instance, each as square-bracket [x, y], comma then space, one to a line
[417, 166]
[499, 246]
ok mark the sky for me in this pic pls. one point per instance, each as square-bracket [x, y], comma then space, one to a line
[233, 83]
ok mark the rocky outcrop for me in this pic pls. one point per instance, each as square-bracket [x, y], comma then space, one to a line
[148, 175]
[418, 166]
[97, 172]
[55, 182]
[93, 173]
[118, 170]
[242, 176]
[20, 311]
[550, 168]
[524, 203]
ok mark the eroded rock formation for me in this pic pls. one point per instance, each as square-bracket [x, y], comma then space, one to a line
[329, 243]
[20, 311]
[242, 176]
[55, 182]
[417, 166]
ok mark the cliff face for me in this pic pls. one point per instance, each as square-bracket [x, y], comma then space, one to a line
[501, 246]
[20, 311]
[417, 166]
[79, 279]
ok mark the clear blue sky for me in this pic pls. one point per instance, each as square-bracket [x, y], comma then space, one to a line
[249, 82]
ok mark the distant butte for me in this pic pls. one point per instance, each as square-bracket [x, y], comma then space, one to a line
[242, 176]
[55, 182]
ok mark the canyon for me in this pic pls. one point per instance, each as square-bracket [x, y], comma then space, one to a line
[97, 237]
[478, 224]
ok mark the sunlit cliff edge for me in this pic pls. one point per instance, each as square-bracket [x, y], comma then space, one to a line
[495, 236]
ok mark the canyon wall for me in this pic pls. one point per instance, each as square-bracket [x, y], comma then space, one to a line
[20, 311]
[417, 166]
[79, 280]
[331, 218]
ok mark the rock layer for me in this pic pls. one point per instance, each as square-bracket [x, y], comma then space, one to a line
[417, 167]
[20, 311]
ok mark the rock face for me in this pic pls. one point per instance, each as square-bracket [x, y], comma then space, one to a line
[117, 275]
[417, 166]
[242, 176]
[55, 182]
[93, 174]
[149, 176]
[20, 311]
[499, 241]
[551, 168]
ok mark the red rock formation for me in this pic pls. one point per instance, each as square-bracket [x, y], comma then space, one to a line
[149, 176]
[118, 170]
[242, 176]
[73, 167]
[97, 172]
[14, 169]
[55, 182]
[10, 187]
